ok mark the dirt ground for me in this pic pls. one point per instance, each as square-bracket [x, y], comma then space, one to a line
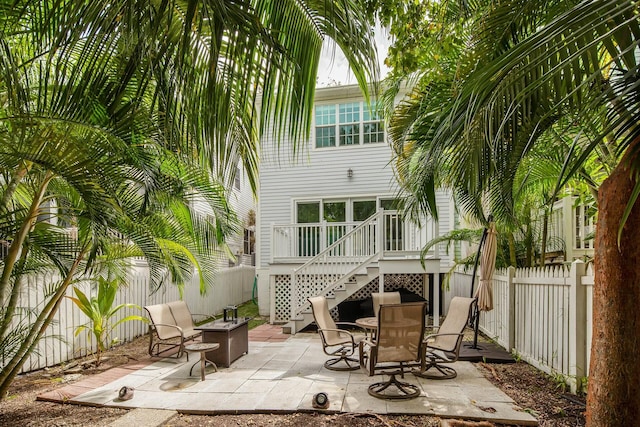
[537, 393]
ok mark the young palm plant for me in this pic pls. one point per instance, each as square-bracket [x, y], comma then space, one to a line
[100, 311]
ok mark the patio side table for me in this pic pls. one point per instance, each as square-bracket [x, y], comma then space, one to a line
[233, 337]
[202, 348]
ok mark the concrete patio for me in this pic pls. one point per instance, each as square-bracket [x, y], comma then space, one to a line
[282, 375]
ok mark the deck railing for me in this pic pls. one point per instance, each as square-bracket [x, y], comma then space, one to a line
[295, 242]
[333, 266]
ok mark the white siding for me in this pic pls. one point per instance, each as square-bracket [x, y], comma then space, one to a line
[322, 173]
[241, 202]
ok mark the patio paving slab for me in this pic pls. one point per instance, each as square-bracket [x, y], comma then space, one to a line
[144, 417]
[266, 380]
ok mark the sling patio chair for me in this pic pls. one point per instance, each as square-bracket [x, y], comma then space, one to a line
[397, 344]
[443, 347]
[171, 325]
[337, 343]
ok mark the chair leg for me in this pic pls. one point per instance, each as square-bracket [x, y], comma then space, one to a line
[406, 390]
[446, 372]
[331, 364]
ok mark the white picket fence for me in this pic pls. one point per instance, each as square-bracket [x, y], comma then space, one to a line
[541, 314]
[232, 286]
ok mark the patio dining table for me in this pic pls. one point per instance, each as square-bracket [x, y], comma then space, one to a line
[371, 324]
[368, 323]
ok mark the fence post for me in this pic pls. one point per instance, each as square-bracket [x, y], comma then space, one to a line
[577, 325]
[511, 295]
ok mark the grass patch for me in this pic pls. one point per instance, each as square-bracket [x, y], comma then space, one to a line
[250, 309]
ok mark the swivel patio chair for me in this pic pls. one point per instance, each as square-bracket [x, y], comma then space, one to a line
[397, 344]
[443, 347]
[337, 343]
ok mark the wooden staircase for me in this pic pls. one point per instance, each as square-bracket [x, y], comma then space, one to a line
[339, 294]
[337, 272]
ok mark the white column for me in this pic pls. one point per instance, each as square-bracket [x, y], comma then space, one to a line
[436, 298]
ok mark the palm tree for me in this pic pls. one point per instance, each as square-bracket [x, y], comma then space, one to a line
[524, 69]
[115, 117]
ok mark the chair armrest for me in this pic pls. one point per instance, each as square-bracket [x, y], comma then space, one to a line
[353, 325]
[441, 335]
[368, 342]
[426, 339]
[341, 333]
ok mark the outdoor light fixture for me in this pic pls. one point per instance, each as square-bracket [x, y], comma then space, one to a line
[320, 401]
[349, 173]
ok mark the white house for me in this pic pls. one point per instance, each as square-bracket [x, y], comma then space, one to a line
[327, 223]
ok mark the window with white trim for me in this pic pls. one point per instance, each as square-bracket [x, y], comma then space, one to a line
[325, 126]
[372, 131]
[348, 124]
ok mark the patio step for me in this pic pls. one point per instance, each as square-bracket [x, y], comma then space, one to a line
[144, 417]
[362, 278]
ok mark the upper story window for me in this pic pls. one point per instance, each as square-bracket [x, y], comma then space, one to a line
[348, 124]
[325, 126]
[373, 131]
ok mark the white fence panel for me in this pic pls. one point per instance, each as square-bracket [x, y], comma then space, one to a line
[233, 286]
[542, 318]
[59, 343]
[543, 314]
[495, 323]
[587, 282]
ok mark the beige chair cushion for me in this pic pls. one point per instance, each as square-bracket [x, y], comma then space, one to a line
[324, 320]
[454, 323]
[183, 317]
[161, 314]
[400, 332]
[380, 298]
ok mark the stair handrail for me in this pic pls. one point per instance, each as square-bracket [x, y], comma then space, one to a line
[374, 219]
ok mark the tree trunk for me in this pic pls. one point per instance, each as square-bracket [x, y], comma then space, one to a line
[512, 250]
[614, 387]
[545, 231]
[528, 239]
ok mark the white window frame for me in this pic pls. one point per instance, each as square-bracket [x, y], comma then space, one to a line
[363, 108]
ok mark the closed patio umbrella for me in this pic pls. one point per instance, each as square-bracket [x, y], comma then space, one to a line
[484, 293]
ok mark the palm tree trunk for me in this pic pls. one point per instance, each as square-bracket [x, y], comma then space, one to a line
[17, 177]
[614, 390]
[37, 329]
[16, 291]
[545, 231]
[512, 251]
[18, 241]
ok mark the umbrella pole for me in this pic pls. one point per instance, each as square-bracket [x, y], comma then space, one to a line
[476, 315]
[475, 265]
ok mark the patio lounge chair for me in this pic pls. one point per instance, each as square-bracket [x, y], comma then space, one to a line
[337, 343]
[171, 326]
[397, 343]
[380, 298]
[443, 347]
